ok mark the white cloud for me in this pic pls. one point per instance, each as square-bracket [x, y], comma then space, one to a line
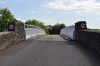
[22, 20]
[78, 6]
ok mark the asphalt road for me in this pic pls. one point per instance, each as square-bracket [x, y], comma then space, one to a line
[49, 50]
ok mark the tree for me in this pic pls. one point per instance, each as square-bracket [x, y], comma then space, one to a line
[50, 29]
[32, 22]
[55, 29]
[37, 23]
[6, 17]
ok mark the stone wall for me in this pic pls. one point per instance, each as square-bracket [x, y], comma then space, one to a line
[13, 37]
[88, 37]
[7, 39]
[20, 30]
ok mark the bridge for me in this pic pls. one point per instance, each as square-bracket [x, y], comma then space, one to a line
[50, 50]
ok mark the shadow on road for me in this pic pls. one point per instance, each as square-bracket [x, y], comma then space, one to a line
[92, 56]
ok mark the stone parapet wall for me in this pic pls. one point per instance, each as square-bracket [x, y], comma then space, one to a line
[80, 33]
[13, 37]
[20, 30]
[87, 37]
[7, 39]
[90, 39]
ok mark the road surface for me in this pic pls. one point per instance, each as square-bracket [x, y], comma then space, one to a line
[49, 50]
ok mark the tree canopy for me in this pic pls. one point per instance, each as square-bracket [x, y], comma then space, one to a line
[5, 18]
[37, 23]
[55, 29]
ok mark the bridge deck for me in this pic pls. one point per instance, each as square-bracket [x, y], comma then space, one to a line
[49, 50]
[50, 38]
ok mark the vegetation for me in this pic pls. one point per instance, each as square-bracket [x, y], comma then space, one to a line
[5, 18]
[37, 23]
[55, 29]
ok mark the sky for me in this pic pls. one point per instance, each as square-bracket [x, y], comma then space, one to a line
[56, 11]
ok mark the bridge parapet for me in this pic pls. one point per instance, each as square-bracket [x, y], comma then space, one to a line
[20, 32]
[88, 37]
[33, 31]
[71, 32]
[68, 32]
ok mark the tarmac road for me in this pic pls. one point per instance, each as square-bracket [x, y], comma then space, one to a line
[49, 50]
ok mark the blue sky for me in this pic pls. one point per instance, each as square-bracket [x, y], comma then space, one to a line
[53, 11]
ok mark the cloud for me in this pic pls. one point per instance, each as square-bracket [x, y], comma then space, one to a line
[22, 20]
[77, 6]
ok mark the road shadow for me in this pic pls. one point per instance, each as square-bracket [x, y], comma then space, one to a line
[92, 56]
